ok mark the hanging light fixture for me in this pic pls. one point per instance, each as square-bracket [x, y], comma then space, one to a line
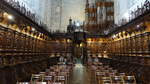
[10, 17]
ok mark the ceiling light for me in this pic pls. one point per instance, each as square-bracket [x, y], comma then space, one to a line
[77, 24]
[10, 17]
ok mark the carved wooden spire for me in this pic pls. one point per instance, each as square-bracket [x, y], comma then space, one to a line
[87, 3]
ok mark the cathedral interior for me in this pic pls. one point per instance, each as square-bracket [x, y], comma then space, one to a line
[75, 41]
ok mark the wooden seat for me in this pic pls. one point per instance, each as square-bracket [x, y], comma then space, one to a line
[129, 79]
[99, 73]
[48, 78]
[112, 74]
[122, 74]
[23, 83]
[40, 83]
[60, 79]
[42, 73]
[117, 80]
[105, 80]
[56, 83]
[36, 78]
[99, 76]
[52, 73]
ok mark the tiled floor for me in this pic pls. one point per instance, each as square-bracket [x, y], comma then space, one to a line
[80, 75]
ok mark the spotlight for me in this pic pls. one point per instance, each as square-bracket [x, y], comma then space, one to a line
[33, 29]
[77, 24]
[114, 36]
[10, 17]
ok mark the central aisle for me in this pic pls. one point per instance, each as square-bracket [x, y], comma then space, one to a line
[80, 75]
